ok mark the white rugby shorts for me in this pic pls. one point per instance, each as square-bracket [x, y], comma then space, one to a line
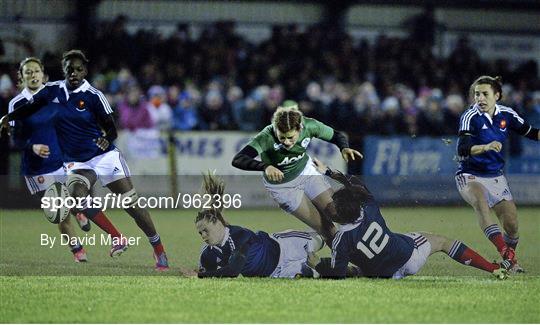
[496, 189]
[421, 252]
[38, 183]
[294, 247]
[289, 195]
[109, 167]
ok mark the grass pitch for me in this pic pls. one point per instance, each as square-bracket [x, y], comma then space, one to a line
[41, 284]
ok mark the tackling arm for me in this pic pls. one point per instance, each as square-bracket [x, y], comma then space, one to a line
[340, 140]
[27, 109]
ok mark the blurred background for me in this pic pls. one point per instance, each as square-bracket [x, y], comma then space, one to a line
[192, 81]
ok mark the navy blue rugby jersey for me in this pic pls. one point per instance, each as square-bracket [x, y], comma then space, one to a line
[77, 121]
[370, 245]
[262, 255]
[36, 129]
[483, 129]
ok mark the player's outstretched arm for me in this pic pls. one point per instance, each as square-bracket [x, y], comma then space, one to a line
[25, 110]
[340, 140]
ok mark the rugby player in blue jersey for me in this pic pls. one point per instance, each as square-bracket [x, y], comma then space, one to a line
[230, 250]
[86, 130]
[41, 162]
[365, 240]
[483, 128]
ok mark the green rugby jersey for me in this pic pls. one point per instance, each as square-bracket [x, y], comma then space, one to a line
[292, 161]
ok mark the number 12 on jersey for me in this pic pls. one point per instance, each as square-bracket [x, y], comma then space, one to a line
[376, 230]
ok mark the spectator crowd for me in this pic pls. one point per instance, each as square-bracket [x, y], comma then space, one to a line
[220, 81]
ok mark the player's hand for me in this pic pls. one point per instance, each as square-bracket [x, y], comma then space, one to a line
[321, 167]
[273, 174]
[102, 143]
[4, 124]
[350, 154]
[312, 260]
[493, 145]
[41, 150]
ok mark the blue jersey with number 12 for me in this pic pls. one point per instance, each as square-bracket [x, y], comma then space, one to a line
[370, 245]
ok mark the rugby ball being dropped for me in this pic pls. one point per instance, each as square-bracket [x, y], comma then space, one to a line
[56, 211]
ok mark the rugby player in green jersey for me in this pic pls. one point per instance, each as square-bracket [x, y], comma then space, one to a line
[289, 173]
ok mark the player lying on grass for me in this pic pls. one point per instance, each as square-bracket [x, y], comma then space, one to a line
[365, 241]
[232, 250]
[86, 131]
[289, 175]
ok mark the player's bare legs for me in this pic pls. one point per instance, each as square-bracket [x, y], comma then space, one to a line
[506, 211]
[79, 184]
[66, 227]
[308, 214]
[464, 255]
[324, 203]
[142, 218]
[476, 197]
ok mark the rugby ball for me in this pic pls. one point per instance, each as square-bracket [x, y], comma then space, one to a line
[56, 211]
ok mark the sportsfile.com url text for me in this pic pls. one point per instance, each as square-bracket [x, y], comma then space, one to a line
[116, 201]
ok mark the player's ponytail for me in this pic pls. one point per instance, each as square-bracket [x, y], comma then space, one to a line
[494, 82]
[215, 187]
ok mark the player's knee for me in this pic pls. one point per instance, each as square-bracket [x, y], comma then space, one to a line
[510, 224]
[78, 185]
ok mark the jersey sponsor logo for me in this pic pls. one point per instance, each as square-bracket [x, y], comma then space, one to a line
[305, 142]
[116, 169]
[70, 165]
[484, 127]
[502, 125]
[291, 160]
[41, 179]
[81, 106]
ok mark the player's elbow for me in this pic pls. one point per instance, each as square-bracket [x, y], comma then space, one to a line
[464, 146]
[237, 161]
